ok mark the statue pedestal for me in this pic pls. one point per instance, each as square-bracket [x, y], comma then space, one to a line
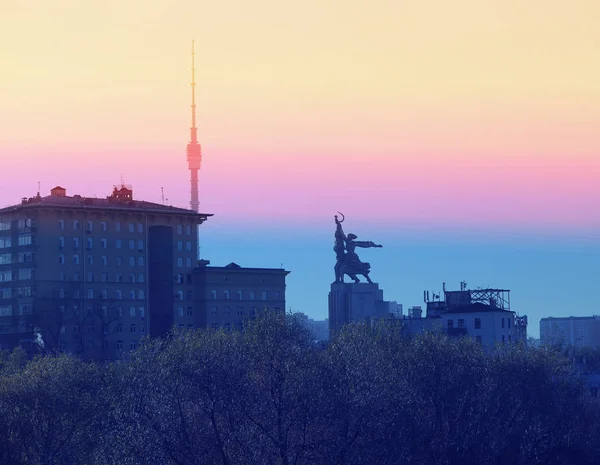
[354, 302]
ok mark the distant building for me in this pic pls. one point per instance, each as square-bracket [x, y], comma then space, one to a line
[92, 276]
[573, 331]
[483, 314]
[226, 295]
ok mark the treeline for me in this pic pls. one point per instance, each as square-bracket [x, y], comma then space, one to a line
[269, 396]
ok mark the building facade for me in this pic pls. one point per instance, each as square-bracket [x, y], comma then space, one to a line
[227, 295]
[573, 331]
[92, 276]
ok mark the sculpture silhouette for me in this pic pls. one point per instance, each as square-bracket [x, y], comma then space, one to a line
[347, 260]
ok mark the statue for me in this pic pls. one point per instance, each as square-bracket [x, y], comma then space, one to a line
[347, 261]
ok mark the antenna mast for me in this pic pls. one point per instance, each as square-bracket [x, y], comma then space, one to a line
[194, 151]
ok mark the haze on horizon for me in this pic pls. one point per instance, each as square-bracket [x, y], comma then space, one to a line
[436, 118]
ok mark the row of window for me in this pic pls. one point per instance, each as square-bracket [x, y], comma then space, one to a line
[239, 311]
[104, 243]
[89, 311]
[240, 295]
[131, 227]
[104, 277]
[103, 260]
[103, 294]
[23, 257]
[477, 323]
[22, 309]
[23, 274]
[7, 293]
[21, 224]
[6, 242]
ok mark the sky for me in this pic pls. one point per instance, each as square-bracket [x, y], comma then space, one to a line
[464, 136]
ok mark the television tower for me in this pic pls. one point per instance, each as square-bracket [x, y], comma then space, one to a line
[194, 151]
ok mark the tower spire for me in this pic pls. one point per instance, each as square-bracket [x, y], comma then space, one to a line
[194, 151]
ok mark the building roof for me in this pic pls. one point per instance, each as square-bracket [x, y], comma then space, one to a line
[235, 268]
[476, 308]
[109, 203]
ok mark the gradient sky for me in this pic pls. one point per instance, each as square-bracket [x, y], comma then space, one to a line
[464, 134]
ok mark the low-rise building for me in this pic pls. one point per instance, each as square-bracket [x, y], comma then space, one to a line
[226, 295]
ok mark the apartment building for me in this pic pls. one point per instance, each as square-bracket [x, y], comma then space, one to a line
[227, 295]
[572, 331]
[92, 276]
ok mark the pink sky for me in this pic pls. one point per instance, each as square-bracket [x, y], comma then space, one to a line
[457, 113]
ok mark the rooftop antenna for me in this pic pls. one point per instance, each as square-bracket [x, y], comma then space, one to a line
[162, 192]
[38, 192]
[122, 182]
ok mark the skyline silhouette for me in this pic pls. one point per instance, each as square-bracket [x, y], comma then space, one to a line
[463, 135]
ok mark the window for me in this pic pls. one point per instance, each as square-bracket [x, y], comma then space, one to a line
[76, 277]
[119, 278]
[141, 295]
[142, 329]
[61, 241]
[142, 312]
[119, 261]
[6, 293]
[90, 276]
[214, 310]
[503, 341]
[189, 295]
[25, 257]
[461, 323]
[7, 275]
[189, 311]
[503, 322]
[131, 244]
[119, 294]
[188, 229]
[131, 311]
[140, 245]
[140, 261]
[75, 242]
[89, 226]
[90, 259]
[277, 295]
[131, 227]
[450, 324]
[62, 276]
[118, 226]
[264, 295]
[140, 228]
[6, 310]
[104, 259]
[104, 277]
[188, 246]
[25, 240]
[213, 294]
[179, 229]
[90, 243]
[5, 242]
[132, 293]
[104, 294]
[251, 295]
[477, 323]
[141, 278]
[180, 311]
[240, 311]
[509, 322]
[119, 328]
[119, 345]
[61, 259]
[240, 295]
[61, 224]
[5, 259]
[227, 310]
[179, 245]
[132, 278]
[179, 261]
[131, 261]
[76, 259]
[90, 294]
[179, 295]
[76, 225]
[103, 226]
[118, 243]
[188, 262]
[226, 294]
